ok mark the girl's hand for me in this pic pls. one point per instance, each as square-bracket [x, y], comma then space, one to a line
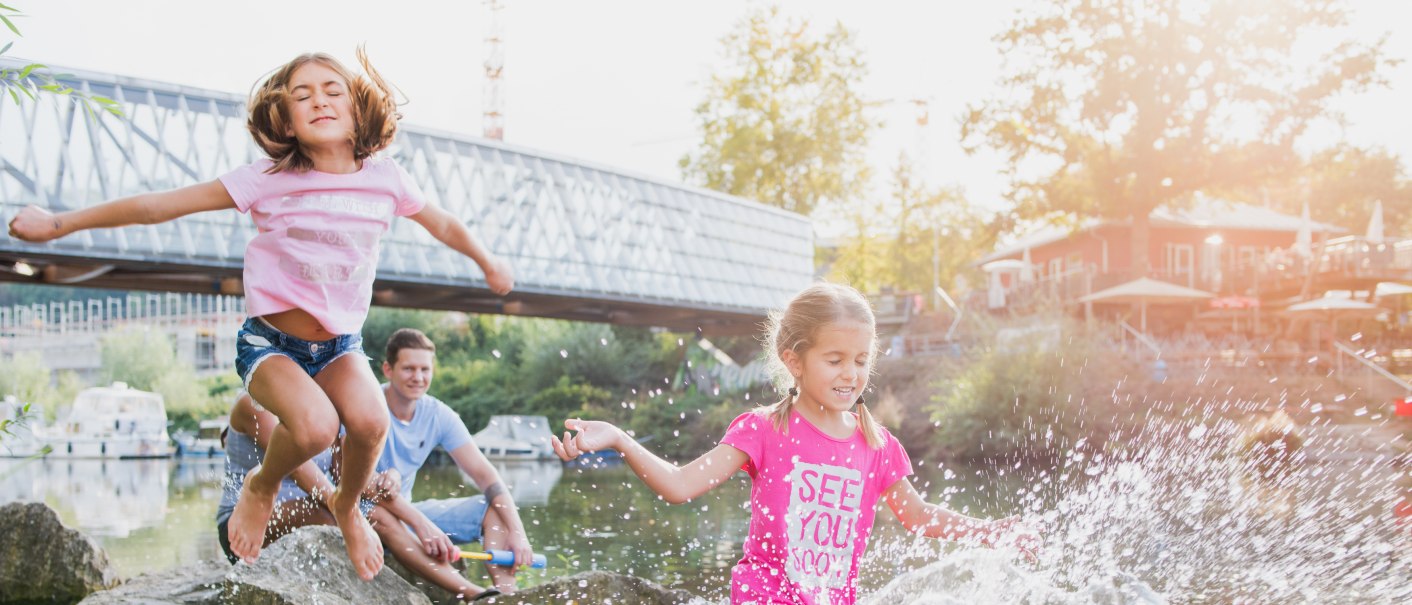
[592, 436]
[499, 276]
[1011, 531]
[35, 224]
[383, 485]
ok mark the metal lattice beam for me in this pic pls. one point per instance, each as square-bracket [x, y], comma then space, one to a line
[586, 241]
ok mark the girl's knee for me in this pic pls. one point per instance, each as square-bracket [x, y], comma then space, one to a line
[371, 426]
[314, 432]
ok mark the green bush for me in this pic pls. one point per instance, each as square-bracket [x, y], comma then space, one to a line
[567, 400]
[1029, 398]
[478, 389]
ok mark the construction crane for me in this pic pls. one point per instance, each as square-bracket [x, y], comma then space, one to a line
[493, 115]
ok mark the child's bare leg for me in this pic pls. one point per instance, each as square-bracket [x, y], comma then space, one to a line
[308, 424]
[404, 546]
[350, 385]
[494, 535]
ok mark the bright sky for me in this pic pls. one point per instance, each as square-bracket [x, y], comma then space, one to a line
[615, 81]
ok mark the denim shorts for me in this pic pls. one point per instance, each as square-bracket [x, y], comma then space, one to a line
[258, 340]
[459, 518]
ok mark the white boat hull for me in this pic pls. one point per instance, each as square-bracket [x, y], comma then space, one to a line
[113, 448]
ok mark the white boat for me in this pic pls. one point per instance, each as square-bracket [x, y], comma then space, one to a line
[111, 422]
[515, 438]
[205, 442]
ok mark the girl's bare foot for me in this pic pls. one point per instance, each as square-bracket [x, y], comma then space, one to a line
[250, 518]
[364, 548]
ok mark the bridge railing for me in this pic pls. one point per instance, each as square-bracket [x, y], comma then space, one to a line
[571, 228]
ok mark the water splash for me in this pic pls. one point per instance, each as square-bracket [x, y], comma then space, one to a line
[1192, 511]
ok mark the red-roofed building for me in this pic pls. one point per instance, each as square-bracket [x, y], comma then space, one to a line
[1213, 245]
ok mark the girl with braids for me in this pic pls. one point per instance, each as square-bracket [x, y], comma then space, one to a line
[321, 202]
[818, 461]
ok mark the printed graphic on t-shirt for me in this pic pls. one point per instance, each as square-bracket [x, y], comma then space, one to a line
[325, 273]
[328, 202]
[821, 523]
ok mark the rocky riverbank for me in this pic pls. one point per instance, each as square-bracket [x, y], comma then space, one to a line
[43, 562]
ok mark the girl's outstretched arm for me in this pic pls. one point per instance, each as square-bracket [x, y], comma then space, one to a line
[35, 224]
[934, 521]
[447, 230]
[674, 484]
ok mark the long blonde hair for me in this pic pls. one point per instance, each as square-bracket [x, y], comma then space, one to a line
[795, 328]
[374, 112]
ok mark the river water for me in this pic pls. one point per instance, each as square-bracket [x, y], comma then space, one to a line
[1175, 521]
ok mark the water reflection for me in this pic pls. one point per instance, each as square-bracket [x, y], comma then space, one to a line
[148, 514]
[108, 498]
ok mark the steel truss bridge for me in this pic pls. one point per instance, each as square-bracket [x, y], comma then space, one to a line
[587, 242]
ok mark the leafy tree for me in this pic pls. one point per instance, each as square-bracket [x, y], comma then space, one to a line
[26, 377]
[34, 79]
[28, 294]
[1112, 108]
[451, 332]
[782, 123]
[136, 355]
[145, 359]
[481, 388]
[893, 242]
[1345, 182]
[1027, 397]
[567, 400]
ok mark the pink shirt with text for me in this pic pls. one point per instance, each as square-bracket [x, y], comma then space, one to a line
[813, 499]
[319, 237]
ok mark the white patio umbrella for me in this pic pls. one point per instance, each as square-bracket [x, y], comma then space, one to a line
[1331, 309]
[1144, 291]
[1304, 238]
[1027, 271]
[1375, 224]
[1333, 304]
[1389, 288]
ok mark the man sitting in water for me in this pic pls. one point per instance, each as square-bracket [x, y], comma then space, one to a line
[419, 424]
[303, 501]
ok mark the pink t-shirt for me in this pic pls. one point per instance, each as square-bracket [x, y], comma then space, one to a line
[813, 499]
[319, 233]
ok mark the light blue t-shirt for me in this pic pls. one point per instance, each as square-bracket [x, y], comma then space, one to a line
[409, 443]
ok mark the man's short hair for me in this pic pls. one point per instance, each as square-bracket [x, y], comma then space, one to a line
[407, 338]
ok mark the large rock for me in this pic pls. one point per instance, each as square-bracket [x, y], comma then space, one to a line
[433, 592]
[310, 567]
[42, 561]
[198, 584]
[597, 587]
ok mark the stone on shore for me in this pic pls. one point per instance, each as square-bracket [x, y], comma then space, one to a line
[198, 584]
[42, 561]
[310, 566]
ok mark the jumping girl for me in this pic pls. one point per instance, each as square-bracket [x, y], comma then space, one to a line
[321, 203]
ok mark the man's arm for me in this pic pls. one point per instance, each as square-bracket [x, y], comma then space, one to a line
[471, 461]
